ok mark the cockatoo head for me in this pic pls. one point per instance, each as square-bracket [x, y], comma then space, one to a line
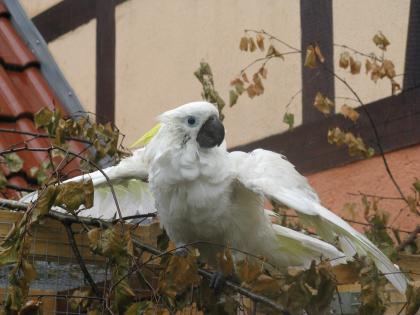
[196, 121]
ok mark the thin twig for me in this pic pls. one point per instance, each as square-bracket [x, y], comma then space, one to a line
[270, 36]
[65, 296]
[375, 196]
[340, 302]
[41, 135]
[79, 258]
[138, 216]
[358, 52]
[373, 125]
[37, 149]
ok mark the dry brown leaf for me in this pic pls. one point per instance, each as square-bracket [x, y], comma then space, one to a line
[258, 86]
[263, 72]
[225, 262]
[344, 61]
[395, 87]
[251, 44]
[369, 65]
[245, 77]
[265, 284]
[251, 91]
[243, 44]
[323, 104]
[260, 41]
[389, 68]
[380, 40]
[349, 113]
[355, 145]
[236, 81]
[355, 66]
[273, 52]
[310, 59]
[248, 271]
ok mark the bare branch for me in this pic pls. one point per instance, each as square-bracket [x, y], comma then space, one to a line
[111, 187]
[41, 135]
[79, 258]
[373, 125]
[138, 244]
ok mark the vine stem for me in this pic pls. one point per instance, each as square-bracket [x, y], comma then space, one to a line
[375, 130]
[41, 135]
[79, 258]
[111, 187]
[62, 217]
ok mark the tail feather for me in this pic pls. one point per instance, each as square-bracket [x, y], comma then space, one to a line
[305, 248]
[352, 242]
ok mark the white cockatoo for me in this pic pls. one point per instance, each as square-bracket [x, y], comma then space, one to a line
[204, 193]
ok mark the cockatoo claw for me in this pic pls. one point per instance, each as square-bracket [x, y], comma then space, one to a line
[217, 281]
[181, 252]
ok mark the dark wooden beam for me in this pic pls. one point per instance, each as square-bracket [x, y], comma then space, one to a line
[105, 61]
[397, 119]
[316, 18]
[412, 60]
[64, 17]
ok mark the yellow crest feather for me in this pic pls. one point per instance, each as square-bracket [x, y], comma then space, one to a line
[147, 137]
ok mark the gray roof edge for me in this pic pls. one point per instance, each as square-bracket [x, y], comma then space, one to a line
[39, 47]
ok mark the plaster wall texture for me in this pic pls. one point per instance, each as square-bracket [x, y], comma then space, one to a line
[159, 44]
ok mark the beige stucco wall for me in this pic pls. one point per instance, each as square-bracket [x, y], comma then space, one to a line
[75, 53]
[34, 7]
[160, 44]
[355, 24]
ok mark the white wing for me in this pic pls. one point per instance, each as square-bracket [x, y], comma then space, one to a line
[270, 174]
[128, 179]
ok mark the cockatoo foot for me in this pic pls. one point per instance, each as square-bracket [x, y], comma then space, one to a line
[181, 252]
[217, 281]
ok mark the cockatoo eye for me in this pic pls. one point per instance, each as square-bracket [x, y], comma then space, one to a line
[191, 121]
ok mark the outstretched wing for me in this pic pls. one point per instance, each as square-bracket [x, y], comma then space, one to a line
[129, 180]
[271, 175]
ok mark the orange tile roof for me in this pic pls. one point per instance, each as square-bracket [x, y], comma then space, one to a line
[23, 92]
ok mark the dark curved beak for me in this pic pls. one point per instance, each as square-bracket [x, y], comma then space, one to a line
[211, 133]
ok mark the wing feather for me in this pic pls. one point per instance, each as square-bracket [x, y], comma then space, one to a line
[129, 180]
[270, 174]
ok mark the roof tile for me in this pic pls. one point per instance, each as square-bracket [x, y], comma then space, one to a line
[23, 92]
[13, 51]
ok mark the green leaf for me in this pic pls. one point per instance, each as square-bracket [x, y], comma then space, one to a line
[233, 98]
[289, 119]
[43, 117]
[14, 162]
